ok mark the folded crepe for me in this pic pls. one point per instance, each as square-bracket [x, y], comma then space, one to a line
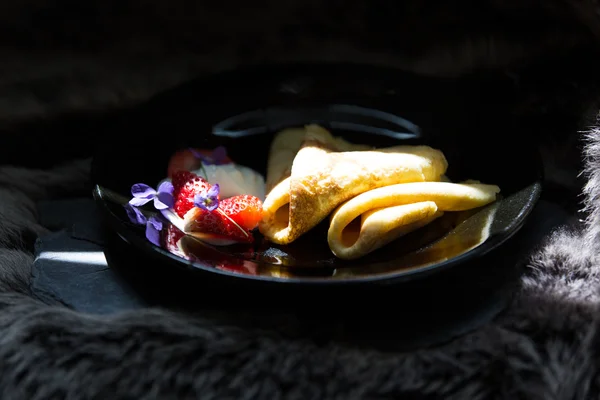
[321, 177]
[375, 218]
[288, 142]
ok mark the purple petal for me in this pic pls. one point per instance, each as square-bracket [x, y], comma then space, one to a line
[219, 154]
[163, 200]
[200, 198]
[156, 222]
[142, 190]
[166, 187]
[152, 234]
[135, 215]
[197, 154]
[205, 202]
[213, 192]
[212, 206]
[139, 201]
[194, 152]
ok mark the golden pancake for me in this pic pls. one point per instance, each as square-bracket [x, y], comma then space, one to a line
[321, 178]
[377, 217]
[288, 142]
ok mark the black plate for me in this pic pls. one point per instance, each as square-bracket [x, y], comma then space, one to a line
[243, 109]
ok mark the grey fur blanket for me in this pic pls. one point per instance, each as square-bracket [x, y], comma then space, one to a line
[544, 346]
[86, 56]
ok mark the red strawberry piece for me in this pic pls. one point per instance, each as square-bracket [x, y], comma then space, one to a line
[245, 210]
[217, 225]
[233, 219]
[186, 185]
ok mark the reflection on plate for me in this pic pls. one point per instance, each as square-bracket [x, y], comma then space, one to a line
[448, 237]
[247, 132]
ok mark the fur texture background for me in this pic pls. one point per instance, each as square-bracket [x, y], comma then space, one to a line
[71, 57]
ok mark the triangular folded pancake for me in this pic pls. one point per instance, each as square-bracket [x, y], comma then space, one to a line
[288, 142]
[321, 179]
[377, 217]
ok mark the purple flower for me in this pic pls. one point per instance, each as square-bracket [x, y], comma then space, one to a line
[142, 194]
[153, 224]
[209, 200]
[217, 156]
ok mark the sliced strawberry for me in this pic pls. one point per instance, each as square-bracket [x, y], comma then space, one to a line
[217, 225]
[233, 219]
[245, 210]
[185, 186]
[186, 160]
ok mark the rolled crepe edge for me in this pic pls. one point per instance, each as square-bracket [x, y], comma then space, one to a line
[389, 196]
[392, 196]
[418, 215]
[268, 226]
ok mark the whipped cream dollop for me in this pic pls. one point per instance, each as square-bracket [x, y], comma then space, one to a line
[234, 179]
